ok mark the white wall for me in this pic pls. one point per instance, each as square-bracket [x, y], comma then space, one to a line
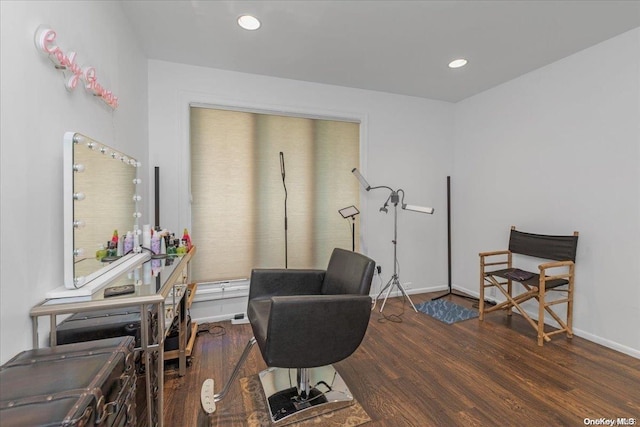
[406, 144]
[36, 110]
[554, 151]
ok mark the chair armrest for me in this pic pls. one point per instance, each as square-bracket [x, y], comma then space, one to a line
[506, 260]
[316, 330]
[277, 282]
[556, 264]
[493, 253]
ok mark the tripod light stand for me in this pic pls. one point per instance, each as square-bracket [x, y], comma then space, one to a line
[394, 198]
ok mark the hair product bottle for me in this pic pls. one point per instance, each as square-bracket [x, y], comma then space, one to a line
[155, 243]
[187, 239]
[128, 243]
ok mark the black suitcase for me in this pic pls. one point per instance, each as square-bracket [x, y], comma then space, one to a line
[99, 324]
[86, 384]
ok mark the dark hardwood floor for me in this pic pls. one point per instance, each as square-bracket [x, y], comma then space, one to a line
[422, 372]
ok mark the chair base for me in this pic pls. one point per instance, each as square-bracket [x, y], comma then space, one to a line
[328, 393]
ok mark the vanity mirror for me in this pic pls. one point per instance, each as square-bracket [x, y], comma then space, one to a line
[99, 197]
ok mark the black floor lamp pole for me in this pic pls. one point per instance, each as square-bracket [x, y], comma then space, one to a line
[353, 233]
[449, 281]
[351, 212]
[286, 249]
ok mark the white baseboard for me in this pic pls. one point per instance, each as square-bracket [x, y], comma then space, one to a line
[242, 321]
[607, 343]
[577, 332]
[214, 319]
[410, 291]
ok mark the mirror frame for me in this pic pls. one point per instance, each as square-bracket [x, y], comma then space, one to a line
[106, 273]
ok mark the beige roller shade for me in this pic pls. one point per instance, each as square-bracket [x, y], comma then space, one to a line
[238, 195]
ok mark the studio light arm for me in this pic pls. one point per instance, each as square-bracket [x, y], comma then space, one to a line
[363, 181]
[415, 208]
[393, 198]
[386, 203]
[365, 184]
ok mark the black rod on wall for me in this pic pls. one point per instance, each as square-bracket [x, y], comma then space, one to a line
[449, 280]
[449, 231]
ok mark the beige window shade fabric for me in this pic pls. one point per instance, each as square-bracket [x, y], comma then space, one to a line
[238, 195]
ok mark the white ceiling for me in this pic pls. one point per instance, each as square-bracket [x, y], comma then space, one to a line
[400, 47]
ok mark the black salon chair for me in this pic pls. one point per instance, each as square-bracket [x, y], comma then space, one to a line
[303, 321]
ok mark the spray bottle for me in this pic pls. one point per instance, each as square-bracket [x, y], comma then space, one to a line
[186, 239]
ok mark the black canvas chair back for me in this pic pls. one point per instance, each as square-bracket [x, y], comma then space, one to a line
[558, 248]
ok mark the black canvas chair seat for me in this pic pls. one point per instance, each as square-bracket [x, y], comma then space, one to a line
[533, 280]
[554, 276]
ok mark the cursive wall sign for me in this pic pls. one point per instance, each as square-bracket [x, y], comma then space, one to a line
[74, 73]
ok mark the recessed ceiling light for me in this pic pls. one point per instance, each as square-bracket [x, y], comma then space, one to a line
[249, 22]
[457, 63]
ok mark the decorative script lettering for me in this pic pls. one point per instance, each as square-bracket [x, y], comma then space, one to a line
[45, 42]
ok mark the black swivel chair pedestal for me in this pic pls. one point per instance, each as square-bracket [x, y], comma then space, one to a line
[304, 321]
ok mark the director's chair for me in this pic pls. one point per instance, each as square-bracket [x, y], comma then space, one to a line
[554, 276]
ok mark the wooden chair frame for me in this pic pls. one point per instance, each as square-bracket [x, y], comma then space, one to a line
[554, 276]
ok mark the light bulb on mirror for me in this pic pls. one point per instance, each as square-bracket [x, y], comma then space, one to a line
[137, 181]
[78, 196]
[137, 198]
[137, 215]
[79, 281]
[78, 252]
[78, 224]
[78, 167]
[78, 139]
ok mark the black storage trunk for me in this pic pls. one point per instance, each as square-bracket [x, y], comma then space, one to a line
[99, 324]
[86, 384]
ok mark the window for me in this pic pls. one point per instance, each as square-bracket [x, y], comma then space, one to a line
[238, 205]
